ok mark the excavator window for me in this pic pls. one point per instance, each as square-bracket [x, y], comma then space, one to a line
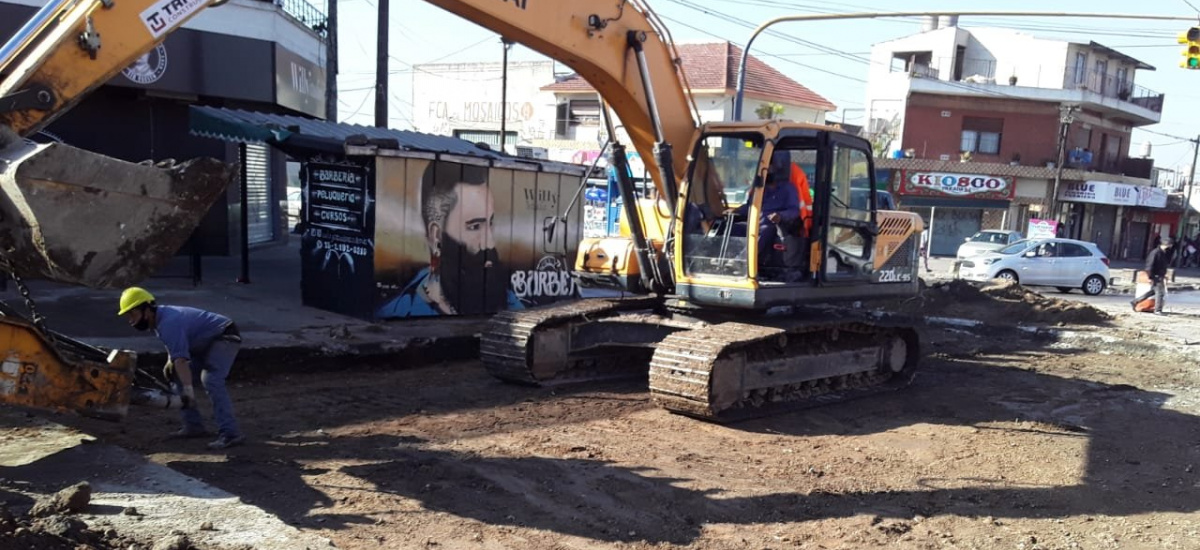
[722, 177]
[849, 241]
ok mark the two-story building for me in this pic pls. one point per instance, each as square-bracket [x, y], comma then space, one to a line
[973, 124]
[256, 55]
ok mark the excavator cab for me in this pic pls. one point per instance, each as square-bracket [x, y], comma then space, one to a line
[730, 255]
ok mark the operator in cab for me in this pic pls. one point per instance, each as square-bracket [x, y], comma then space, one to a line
[780, 209]
[201, 346]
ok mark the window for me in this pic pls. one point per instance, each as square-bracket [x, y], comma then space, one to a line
[1101, 75]
[1070, 250]
[1080, 67]
[981, 135]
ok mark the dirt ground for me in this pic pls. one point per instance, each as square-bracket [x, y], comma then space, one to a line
[1005, 440]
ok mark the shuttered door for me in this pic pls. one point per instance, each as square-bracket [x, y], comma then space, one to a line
[258, 193]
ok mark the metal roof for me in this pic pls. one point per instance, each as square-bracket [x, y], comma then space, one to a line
[240, 126]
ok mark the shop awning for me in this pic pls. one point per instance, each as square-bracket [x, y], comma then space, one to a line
[300, 133]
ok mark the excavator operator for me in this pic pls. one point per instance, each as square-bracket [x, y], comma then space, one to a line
[780, 213]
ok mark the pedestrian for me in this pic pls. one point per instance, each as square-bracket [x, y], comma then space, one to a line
[1156, 267]
[925, 249]
[201, 347]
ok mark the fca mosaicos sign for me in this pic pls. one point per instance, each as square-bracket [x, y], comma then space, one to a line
[972, 186]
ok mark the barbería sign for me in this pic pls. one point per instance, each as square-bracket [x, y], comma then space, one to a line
[944, 184]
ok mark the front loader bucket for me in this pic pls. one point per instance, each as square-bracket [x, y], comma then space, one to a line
[78, 217]
[37, 373]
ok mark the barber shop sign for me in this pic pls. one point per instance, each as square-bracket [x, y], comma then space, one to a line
[942, 184]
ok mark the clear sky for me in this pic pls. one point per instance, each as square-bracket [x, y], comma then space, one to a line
[835, 68]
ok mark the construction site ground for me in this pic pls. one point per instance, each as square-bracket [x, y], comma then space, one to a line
[1069, 437]
[1079, 429]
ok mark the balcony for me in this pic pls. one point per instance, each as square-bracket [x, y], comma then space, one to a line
[1110, 93]
[307, 14]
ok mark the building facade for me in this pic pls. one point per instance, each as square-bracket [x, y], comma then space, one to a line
[988, 128]
[245, 54]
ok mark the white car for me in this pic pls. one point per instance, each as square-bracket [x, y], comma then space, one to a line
[1065, 264]
[988, 240]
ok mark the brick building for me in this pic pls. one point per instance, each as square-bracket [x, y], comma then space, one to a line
[973, 124]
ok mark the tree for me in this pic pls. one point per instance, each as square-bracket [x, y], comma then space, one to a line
[769, 111]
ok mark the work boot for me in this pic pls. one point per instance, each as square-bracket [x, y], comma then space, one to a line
[225, 442]
[188, 433]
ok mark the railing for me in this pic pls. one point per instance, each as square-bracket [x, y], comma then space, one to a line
[307, 14]
[1109, 85]
[984, 71]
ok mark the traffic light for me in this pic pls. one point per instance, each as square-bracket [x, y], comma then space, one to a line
[1191, 53]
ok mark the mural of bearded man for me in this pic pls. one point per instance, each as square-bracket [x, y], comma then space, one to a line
[465, 276]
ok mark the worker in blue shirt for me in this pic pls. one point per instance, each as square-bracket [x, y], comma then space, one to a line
[780, 206]
[201, 346]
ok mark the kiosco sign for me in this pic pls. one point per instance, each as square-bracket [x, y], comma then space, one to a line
[939, 184]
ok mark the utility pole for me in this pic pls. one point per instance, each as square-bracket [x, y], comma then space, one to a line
[1065, 119]
[504, 95]
[1187, 201]
[331, 61]
[381, 68]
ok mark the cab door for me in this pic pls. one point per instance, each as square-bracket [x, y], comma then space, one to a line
[847, 226]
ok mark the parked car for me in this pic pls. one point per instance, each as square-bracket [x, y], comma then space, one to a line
[986, 241]
[1065, 264]
[293, 204]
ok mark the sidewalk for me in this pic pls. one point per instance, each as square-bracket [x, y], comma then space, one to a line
[279, 333]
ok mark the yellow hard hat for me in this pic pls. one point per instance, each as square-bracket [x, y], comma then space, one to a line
[134, 297]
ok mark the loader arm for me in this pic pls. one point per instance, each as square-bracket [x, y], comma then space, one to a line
[73, 216]
[71, 47]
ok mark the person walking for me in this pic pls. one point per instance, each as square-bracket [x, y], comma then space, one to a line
[1156, 267]
[201, 346]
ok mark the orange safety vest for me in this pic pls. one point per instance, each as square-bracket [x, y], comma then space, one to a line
[800, 181]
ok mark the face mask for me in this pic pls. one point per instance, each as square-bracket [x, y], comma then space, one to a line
[142, 325]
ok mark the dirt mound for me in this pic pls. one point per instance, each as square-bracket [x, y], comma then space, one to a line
[51, 524]
[997, 302]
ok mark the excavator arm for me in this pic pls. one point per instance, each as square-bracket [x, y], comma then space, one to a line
[74, 216]
[592, 37]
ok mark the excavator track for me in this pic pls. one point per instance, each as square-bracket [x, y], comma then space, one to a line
[733, 371]
[533, 346]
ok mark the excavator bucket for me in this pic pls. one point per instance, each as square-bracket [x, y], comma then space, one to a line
[77, 217]
[62, 375]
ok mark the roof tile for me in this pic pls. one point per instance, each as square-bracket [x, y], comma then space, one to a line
[714, 66]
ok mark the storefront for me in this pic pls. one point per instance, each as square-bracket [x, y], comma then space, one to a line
[954, 206]
[1093, 210]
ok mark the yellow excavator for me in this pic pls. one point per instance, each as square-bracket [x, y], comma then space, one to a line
[703, 270]
[712, 295]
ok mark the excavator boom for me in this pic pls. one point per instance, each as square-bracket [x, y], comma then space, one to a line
[73, 216]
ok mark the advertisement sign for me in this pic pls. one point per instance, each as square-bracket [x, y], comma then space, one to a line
[337, 244]
[1099, 192]
[1152, 197]
[963, 186]
[1041, 229]
[299, 83]
[462, 239]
